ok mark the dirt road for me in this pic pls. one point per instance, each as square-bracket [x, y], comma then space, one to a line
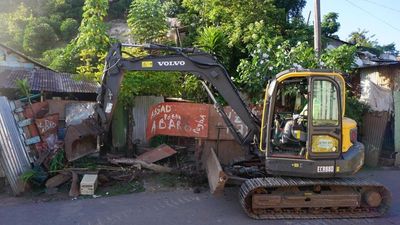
[170, 208]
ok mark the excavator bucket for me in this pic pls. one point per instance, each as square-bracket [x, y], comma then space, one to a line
[81, 139]
[216, 176]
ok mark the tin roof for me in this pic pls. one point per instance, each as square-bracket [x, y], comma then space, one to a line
[46, 80]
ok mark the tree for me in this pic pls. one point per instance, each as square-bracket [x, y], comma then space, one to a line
[38, 37]
[389, 48]
[172, 8]
[13, 25]
[341, 58]
[236, 16]
[62, 59]
[269, 57]
[93, 42]
[147, 20]
[213, 40]
[137, 83]
[361, 39]
[329, 24]
[119, 9]
[55, 20]
[69, 28]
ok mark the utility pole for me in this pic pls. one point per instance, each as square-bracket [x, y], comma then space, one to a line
[317, 28]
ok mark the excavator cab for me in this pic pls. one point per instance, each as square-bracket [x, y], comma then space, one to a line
[304, 131]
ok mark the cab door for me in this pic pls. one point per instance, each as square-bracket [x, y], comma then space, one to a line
[325, 119]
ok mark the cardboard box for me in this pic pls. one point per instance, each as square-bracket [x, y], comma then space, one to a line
[88, 184]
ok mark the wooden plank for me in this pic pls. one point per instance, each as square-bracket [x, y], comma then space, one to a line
[150, 166]
[58, 179]
[154, 155]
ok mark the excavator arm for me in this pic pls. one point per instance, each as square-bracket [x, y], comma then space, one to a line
[193, 61]
[84, 138]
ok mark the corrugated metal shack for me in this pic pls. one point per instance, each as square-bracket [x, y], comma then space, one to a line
[58, 91]
[380, 84]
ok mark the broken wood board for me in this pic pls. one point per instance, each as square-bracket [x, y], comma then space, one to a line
[58, 179]
[150, 166]
[216, 176]
[161, 152]
[74, 190]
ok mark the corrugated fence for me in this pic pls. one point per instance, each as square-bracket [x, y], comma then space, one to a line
[140, 110]
[13, 157]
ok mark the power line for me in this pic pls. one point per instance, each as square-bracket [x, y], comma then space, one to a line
[369, 13]
[381, 5]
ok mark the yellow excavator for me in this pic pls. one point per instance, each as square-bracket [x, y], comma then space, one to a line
[301, 154]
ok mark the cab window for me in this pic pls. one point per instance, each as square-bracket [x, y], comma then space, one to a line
[325, 104]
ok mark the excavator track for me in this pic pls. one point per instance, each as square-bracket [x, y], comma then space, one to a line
[303, 198]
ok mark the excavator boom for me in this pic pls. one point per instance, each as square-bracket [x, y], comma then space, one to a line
[193, 61]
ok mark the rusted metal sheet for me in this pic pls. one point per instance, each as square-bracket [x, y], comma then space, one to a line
[154, 155]
[81, 139]
[13, 157]
[140, 110]
[178, 119]
[216, 176]
[218, 129]
[374, 125]
[226, 151]
[36, 110]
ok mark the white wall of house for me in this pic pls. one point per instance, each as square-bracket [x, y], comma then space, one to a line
[13, 60]
[377, 86]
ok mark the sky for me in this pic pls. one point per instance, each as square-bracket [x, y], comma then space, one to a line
[380, 17]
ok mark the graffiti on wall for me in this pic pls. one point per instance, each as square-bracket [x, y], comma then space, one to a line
[178, 119]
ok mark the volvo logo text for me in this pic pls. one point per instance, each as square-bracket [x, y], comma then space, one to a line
[171, 63]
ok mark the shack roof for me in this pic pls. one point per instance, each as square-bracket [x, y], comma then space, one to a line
[46, 80]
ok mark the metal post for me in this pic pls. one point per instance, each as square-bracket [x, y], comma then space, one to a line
[317, 28]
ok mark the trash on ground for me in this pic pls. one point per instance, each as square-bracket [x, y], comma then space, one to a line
[89, 184]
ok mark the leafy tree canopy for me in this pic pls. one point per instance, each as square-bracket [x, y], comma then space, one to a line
[38, 37]
[93, 42]
[147, 20]
[329, 24]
